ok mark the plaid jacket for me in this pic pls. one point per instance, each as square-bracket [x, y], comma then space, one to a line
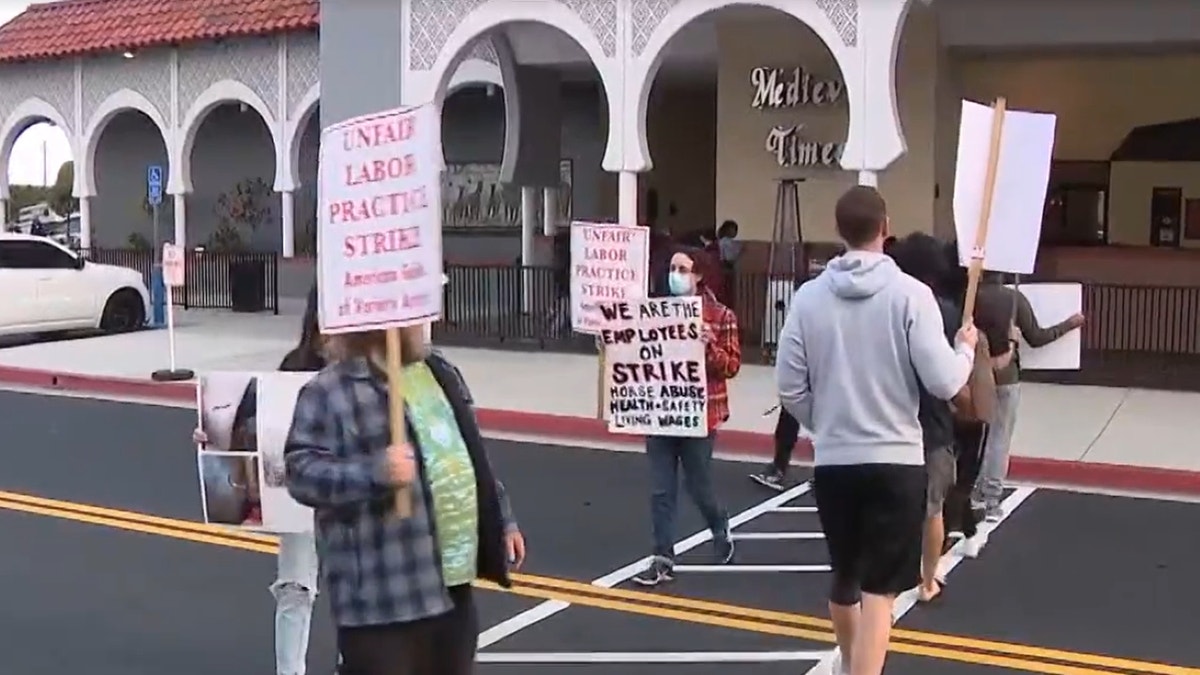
[724, 357]
[378, 568]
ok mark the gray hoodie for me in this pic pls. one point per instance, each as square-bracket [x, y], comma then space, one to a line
[857, 340]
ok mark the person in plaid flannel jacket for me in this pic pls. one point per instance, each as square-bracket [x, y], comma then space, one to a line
[400, 589]
[687, 272]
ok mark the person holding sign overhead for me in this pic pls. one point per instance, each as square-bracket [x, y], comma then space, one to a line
[858, 342]
[399, 587]
[688, 270]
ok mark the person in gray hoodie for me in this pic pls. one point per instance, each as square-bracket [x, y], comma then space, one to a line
[858, 343]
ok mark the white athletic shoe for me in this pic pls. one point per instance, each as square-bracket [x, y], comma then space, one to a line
[972, 546]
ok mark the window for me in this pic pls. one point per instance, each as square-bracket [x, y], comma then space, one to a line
[23, 254]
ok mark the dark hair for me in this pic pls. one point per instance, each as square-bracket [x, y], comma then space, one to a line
[922, 257]
[306, 355]
[728, 228]
[860, 214]
[703, 264]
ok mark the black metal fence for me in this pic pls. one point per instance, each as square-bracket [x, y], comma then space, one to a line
[247, 282]
[1142, 336]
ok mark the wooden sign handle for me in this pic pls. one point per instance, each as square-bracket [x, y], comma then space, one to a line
[396, 410]
[975, 268]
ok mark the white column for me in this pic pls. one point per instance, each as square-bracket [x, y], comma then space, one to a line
[529, 218]
[870, 178]
[85, 222]
[627, 198]
[179, 209]
[288, 223]
[549, 211]
[4, 209]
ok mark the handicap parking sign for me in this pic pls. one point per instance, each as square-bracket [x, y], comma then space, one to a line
[154, 184]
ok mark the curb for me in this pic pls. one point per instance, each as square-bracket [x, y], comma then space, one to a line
[1066, 473]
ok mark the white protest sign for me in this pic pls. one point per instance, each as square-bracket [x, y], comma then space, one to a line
[654, 367]
[1053, 304]
[379, 222]
[277, 394]
[246, 418]
[173, 265]
[1022, 174]
[609, 263]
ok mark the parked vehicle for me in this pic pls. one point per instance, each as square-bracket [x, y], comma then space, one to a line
[49, 288]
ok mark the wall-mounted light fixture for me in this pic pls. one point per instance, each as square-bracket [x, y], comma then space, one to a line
[129, 54]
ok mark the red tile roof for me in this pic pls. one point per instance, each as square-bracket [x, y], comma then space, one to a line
[76, 27]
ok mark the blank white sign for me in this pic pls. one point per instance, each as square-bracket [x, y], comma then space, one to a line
[1052, 304]
[1022, 172]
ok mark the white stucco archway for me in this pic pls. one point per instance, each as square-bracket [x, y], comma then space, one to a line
[644, 68]
[297, 123]
[118, 102]
[434, 84]
[26, 114]
[224, 91]
[475, 72]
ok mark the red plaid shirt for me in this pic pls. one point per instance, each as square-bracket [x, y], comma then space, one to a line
[724, 357]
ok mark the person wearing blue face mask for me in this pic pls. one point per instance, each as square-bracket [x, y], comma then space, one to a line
[686, 274]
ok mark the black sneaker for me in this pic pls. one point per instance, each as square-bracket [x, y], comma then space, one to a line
[770, 477]
[723, 547]
[661, 570]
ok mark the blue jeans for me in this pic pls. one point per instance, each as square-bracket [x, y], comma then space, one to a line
[295, 590]
[667, 454]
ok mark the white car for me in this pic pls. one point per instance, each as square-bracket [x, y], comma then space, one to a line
[48, 288]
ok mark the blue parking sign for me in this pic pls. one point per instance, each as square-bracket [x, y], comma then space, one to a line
[154, 184]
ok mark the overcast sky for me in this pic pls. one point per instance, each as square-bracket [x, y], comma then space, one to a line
[39, 151]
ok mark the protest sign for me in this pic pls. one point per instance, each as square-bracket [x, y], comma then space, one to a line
[654, 370]
[245, 418]
[1001, 176]
[379, 225]
[609, 263]
[1052, 304]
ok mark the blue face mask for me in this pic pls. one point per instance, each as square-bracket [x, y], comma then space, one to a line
[681, 284]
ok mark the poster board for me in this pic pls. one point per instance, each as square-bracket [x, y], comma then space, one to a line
[379, 221]
[246, 418]
[609, 263]
[654, 370]
[1052, 304]
[1021, 179]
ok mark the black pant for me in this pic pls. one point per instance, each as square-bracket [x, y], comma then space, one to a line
[787, 432]
[969, 440]
[442, 645]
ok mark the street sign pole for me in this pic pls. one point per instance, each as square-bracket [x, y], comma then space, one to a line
[174, 276]
[154, 193]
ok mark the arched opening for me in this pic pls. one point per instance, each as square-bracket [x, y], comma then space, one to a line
[233, 205]
[41, 181]
[126, 146]
[558, 148]
[743, 97]
[308, 150]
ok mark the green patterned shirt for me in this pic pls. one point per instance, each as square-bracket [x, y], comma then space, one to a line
[448, 470]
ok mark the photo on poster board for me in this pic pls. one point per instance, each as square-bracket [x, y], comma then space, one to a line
[1019, 198]
[277, 394]
[1053, 304]
[379, 222]
[227, 462]
[654, 367]
[609, 263]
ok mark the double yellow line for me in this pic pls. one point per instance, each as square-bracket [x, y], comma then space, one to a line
[917, 643]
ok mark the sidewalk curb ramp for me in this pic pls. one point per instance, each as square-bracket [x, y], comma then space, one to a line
[1050, 472]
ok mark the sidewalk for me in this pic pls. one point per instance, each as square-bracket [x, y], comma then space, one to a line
[1090, 435]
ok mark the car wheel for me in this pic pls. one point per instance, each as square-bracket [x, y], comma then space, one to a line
[123, 312]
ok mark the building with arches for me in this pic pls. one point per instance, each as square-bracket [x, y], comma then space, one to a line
[678, 113]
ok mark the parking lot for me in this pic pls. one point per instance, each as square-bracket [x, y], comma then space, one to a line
[99, 502]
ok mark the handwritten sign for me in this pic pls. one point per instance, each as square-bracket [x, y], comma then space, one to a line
[379, 224]
[609, 263]
[654, 367]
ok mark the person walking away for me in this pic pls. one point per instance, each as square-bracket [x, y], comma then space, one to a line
[668, 454]
[857, 341]
[787, 433]
[400, 589]
[295, 586]
[989, 488]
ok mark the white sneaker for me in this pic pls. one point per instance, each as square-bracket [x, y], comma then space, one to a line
[972, 546]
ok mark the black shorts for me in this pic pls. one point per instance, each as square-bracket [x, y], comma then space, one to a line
[873, 515]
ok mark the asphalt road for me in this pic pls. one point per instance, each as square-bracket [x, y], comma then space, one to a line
[1076, 572]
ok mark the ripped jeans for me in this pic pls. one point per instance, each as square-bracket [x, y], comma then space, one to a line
[295, 590]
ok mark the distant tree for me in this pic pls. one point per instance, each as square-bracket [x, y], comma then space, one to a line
[61, 199]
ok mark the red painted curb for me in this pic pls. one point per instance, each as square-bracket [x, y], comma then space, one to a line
[1121, 477]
